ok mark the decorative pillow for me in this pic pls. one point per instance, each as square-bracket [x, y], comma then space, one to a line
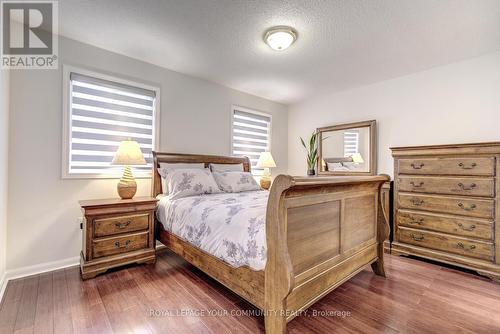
[190, 182]
[166, 167]
[235, 182]
[226, 167]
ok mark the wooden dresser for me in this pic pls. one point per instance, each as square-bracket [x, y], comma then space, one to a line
[446, 205]
[117, 232]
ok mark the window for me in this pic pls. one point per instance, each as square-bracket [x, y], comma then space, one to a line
[103, 111]
[251, 135]
[351, 143]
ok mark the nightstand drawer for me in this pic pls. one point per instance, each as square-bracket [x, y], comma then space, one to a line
[121, 244]
[116, 225]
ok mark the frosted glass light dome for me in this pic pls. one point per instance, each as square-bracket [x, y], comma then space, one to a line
[280, 38]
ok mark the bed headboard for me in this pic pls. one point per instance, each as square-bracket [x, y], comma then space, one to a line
[190, 158]
[342, 159]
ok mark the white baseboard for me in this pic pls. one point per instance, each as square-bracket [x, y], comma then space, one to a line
[35, 269]
[41, 268]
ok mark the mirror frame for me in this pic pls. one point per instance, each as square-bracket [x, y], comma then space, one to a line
[372, 124]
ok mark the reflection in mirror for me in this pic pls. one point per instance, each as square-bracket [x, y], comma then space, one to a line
[346, 150]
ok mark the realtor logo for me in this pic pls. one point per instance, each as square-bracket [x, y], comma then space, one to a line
[29, 34]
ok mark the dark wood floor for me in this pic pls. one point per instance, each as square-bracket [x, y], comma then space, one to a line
[417, 297]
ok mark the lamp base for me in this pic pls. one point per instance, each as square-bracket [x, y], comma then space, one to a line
[127, 187]
[265, 182]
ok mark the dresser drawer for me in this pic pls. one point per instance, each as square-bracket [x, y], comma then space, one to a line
[448, 166]
[466, 247]
[473, 228]
[482, 208]
[448, 185]
[123, 224]
[121, 244]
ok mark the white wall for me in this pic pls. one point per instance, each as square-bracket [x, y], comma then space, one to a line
[456, 103]
[4, 138]
[42, 207]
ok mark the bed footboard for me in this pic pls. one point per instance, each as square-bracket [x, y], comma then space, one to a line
[321, 231]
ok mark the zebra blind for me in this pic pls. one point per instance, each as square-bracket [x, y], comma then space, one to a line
[102, 114]
[351, 143]
[251, 135]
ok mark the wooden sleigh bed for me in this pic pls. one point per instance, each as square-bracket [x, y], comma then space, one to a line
[320, 231]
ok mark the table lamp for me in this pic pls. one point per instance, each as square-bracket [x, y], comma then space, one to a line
[129, 153]
[266, 161]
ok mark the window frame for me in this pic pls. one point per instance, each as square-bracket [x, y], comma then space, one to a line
[235, 107]
[67, 120]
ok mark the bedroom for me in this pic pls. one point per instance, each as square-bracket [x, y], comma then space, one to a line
[191, 74]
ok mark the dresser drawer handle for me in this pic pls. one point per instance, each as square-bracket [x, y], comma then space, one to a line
[470, 228]
[462, 246]
[417, 238]
[463, 187]
[470, 208]
[417, 185]
[472, 165]
[417, 202]
[417, 166]
[419, 221]
[123, 225]
[119, 245]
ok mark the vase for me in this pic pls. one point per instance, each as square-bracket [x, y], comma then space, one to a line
[311, 172]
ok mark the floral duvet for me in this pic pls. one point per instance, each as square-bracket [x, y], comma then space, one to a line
[230, 226]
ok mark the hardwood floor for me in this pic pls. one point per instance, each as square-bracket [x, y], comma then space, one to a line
[417, 297]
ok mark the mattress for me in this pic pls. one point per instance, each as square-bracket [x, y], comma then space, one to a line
[229, 226]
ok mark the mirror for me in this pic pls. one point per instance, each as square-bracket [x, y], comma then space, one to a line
[347, 149]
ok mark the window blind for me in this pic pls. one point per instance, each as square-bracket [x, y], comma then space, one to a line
[104, 113]
[251, 136]
[351, 143]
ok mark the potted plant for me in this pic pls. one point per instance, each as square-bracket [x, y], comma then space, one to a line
[312, 153]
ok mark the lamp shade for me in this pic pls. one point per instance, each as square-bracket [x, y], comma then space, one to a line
[357, 158]
[129, 153]
[266, 160]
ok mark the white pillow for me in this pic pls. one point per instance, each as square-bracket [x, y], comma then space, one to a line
[333, 166]
[350, 165]
[190, 182]
[226, 167]
[235, 182]
[166, 167]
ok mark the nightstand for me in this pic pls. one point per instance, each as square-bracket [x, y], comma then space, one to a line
[117, 232]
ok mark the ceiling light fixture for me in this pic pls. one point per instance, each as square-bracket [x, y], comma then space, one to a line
[280, 38]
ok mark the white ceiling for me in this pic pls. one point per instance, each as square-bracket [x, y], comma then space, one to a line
[341, 43]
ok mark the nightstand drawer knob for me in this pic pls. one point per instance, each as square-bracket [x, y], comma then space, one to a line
[119, 245]
[123, 225]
